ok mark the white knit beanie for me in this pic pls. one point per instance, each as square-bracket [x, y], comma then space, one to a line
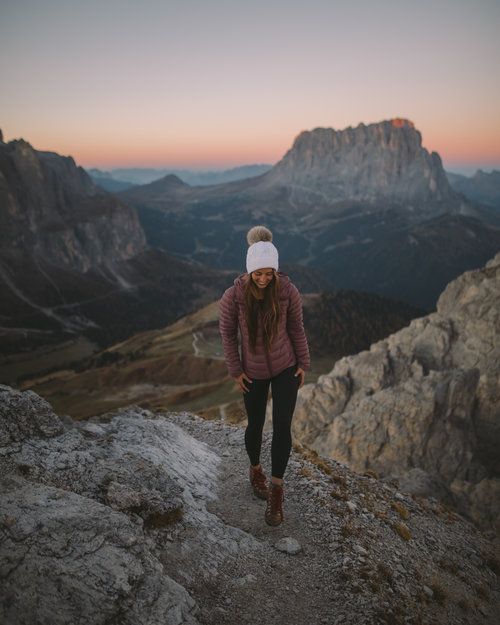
[261, 252]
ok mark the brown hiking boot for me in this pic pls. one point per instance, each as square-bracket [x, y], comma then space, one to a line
[258, 481]
[274, 510]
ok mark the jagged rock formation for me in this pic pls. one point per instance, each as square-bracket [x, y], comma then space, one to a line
[142, 518]
[423, 404]
[369, 162]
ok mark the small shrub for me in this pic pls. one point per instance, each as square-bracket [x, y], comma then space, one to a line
[371, 473]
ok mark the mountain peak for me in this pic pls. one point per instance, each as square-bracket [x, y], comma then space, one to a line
[383, 160]
[401, 122]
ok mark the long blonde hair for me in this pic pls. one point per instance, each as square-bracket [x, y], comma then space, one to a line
[268, 311]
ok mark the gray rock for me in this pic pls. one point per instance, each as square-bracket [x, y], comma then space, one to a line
[85, 499]
[68, 559]
[423, 399]
[25, 415]
[288, 545]
[419, 482]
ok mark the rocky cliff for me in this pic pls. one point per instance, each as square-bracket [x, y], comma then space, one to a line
[74, 260]
[142, 518]
[369, 162]
[422, 404]
[50, 208]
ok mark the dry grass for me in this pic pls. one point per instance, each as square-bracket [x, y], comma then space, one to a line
[338, 479]
[402, 510]
[337, 494]
[324, 466]
[371, 473]
[305, 472]
[350, 529]
[379, 514]
[312, 456]
[401, 529]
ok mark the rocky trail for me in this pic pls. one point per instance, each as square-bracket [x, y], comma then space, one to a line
[135, 518]
[352, 549]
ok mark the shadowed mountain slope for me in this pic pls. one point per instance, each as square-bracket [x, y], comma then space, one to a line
[74, 260]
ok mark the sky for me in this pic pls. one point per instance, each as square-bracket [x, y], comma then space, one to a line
[220, 83]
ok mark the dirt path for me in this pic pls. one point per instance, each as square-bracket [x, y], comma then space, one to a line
[352, 567]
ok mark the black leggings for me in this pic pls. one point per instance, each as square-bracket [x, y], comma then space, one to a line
[284, 388]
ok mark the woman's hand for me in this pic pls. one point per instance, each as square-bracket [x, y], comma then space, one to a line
[302, 374]
[240, 382]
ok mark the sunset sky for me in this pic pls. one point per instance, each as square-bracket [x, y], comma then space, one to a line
[221, 83]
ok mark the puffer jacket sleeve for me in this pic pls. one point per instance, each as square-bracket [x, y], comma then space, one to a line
[295, 329]
[228, 328]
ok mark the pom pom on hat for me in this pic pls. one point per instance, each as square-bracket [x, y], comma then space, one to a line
[259, 233]
[261, 252]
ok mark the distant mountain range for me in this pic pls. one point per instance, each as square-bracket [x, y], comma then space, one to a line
[481, 187]
[369, 207]
[121, 179]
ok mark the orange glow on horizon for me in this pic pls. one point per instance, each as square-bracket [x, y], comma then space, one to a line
[201, 158]
[472, 145]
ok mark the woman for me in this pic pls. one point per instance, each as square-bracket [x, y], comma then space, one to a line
[267, 309]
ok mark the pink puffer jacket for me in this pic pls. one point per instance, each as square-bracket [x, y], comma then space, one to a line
[289, 347]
